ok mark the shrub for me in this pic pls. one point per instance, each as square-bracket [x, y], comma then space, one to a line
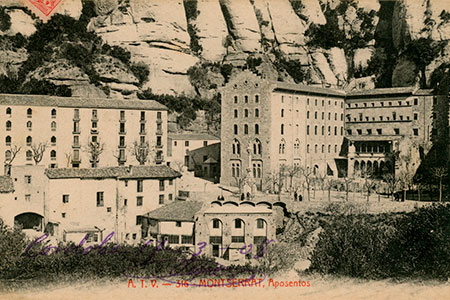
[413, 245]
[5, 20]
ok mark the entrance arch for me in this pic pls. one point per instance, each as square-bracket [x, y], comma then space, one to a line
[29, 220]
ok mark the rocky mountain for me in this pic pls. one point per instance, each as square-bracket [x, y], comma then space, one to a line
[192, 46]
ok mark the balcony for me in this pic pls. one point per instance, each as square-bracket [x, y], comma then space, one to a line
[94, 131]
[159, 132]
[158, 146]
[159, 160]
[76, 145]
[158, 121]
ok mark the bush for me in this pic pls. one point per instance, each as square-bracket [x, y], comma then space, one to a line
[413, 245]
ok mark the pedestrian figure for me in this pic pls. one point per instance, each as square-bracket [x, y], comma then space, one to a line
[295, 196]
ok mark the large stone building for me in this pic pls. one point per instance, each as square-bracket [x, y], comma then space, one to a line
[382, 121]
[80, 132]
[267, 124]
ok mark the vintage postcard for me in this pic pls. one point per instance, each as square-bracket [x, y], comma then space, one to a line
[185, 149]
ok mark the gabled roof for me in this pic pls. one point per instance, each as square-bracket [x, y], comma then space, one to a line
[382, 91]
[210, 160]
[308, 89]
[132, 172]
[78, 102]
[176, 211]
[193, 136]
[6, 184]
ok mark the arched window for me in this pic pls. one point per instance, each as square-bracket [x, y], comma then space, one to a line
[282, 128]
[257, 169]
[8, 111]
[256, 113]
[315, 115]
[256, 129]
[236, 147]
[307, 148]
[235, 169]
[316, 169]
[329, 116]
[29, 155]
[8, 125]
[323, 148]
[282, 113]
[329, 148]
[335, 116]
[53, 155]
[29, 125]
[342, 130]
[235, 99]
[335, 130]
[307, 130]
[7, 155]
[53, 113]
[53, 126]
[245, 129]
[235, 129]
[315, 130]
[335, 148]
[29, 140]
[246, 99]
[256, 98]
[257, 147]
[8, 141]
[238, 231]
[315, 148]
[323, 116]
[323, 130]
[53, 140]
[307, 114]
[246, 113]
[236, 113]
[29, 113]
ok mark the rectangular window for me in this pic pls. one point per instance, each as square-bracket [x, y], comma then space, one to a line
[170, 181]
[138, 220]
[28, 197]
[416, 101]
[142, 128]
[379, 131]
[100, 202]
[205, 143]
[139, 200]
[158, 115]
[142, 115]
[108, 209]
[122, 128]
[187, 239]
[186, 143]
[94, 125]
[94, 114]
[416, 131]
[416, 116]
[260, 224]
[174, 239]
[397, 131]
[170, 197]
[178, 224]
[121, 141]
[122, 115]
[140, 186]
[161, 199]
[76, 140]
[237, 223]
[28, 179]
[76, 113]
[216, 224]
[65, 198]
[161, 185]
[76, 126]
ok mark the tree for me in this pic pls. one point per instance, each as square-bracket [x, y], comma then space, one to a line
[347, 181]
[307, 173]
[68, 159]
[291, 172]
[391, 182]
[13, 150]
[142, 151]
[276, 180]
[440, 173]
[38, 151]
[94, 150]
[369, 183]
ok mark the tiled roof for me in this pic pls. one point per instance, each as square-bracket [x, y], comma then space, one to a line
[6, 184]
[52, 101]
[382, 91]
[309, 89]
[176, 211]
[193, 136]
[133, 172]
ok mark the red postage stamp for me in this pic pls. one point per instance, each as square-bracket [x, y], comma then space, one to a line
[44, 9]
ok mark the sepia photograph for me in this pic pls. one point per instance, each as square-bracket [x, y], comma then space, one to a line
[229, 149]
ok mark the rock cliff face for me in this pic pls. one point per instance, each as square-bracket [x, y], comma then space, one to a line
[173, 36]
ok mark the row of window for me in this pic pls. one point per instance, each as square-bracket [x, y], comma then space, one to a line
[323, 115]
[256, 169]
[29, 125]
[238, 223]
[139, 199]
[382, 103]
[381, 118]
[282, 148]
[246, 131]
[246, 99]
[379, 131]
[28, 139]
[28, 154]
[29, 112]
[246, 113]
[316, 128]
[336, 103]
[256, 146]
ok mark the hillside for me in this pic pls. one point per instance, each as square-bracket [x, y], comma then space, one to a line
[192, 46]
